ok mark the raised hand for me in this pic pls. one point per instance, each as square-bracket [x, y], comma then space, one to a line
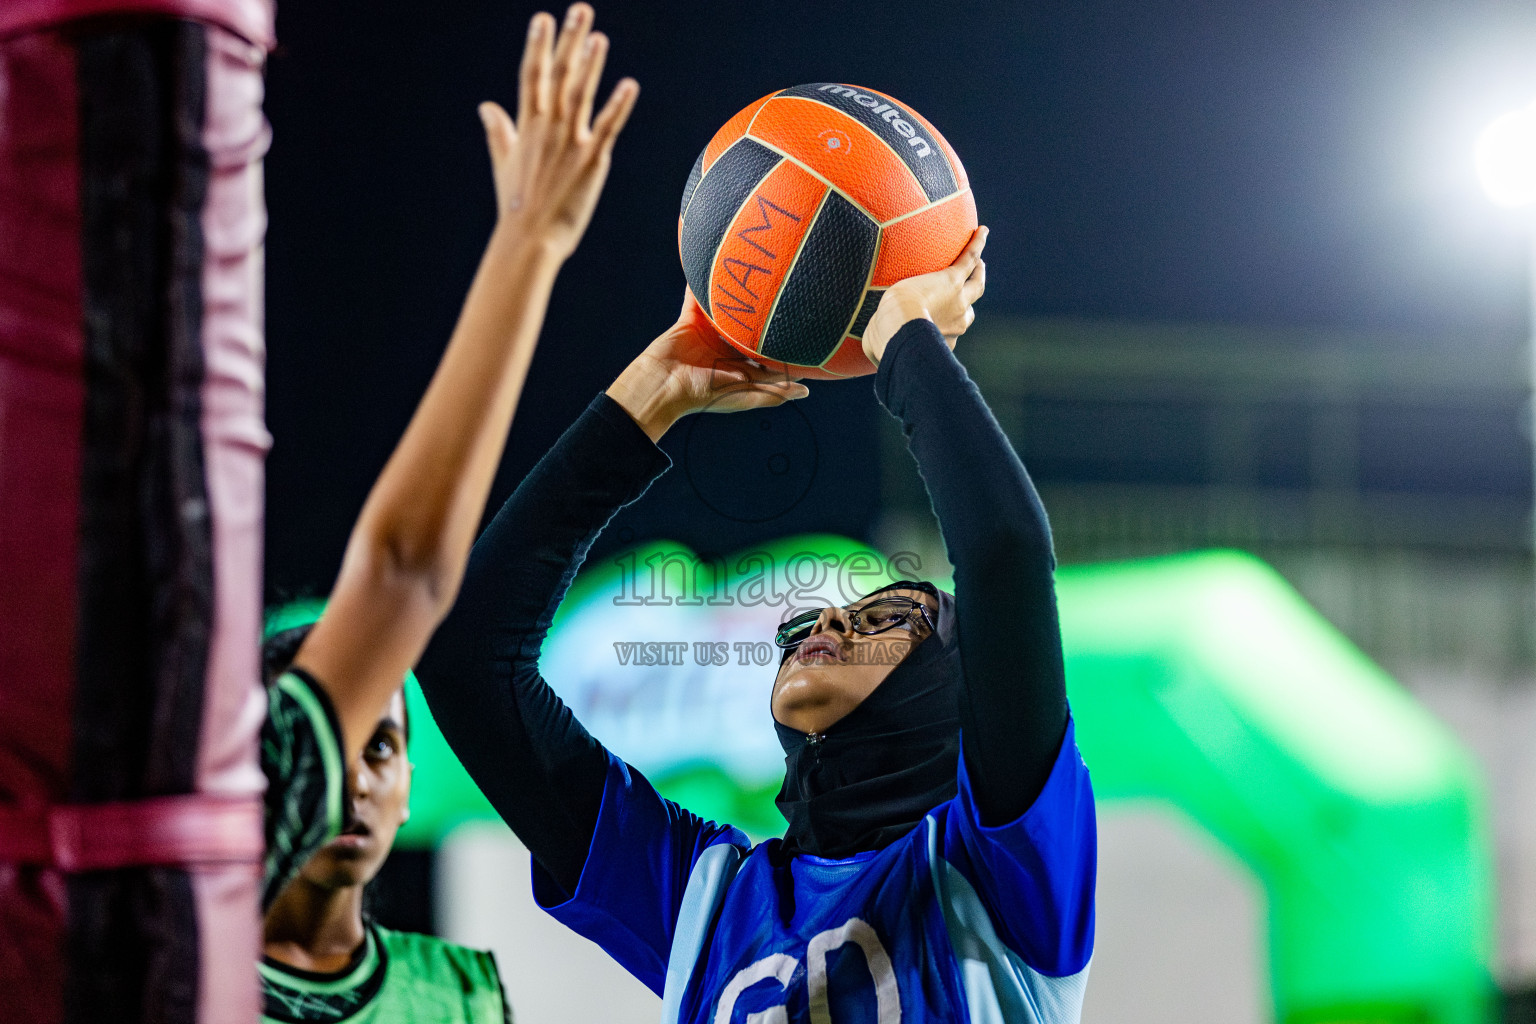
[944, 296]
[407, 552]
[690, 368]
[550, 166]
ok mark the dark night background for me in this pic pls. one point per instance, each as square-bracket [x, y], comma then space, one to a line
[1289, 163]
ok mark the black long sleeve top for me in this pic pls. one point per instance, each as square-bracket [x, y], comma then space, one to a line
[544, 773]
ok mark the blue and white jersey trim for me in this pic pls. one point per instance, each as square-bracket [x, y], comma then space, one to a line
[711, 876]
[1000, 988]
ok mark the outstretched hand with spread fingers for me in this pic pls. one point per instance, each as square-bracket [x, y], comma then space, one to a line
[551, 164]
[406, 556]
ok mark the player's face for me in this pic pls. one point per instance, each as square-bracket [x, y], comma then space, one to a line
[834, 669]
[379, 788]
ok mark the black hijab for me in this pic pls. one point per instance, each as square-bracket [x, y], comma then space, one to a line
[878, 770]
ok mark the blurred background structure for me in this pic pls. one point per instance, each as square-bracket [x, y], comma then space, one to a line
[1244, 292]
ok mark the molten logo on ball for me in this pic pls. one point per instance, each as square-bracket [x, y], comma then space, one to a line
[887, 113]
[804, 208]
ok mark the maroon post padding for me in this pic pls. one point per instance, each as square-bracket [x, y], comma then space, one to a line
[41, 408]
[235, 443]
[208, 833]
[182, 831]
[250, 19]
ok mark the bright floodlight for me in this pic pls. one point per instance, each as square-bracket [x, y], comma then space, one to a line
[1506, 158]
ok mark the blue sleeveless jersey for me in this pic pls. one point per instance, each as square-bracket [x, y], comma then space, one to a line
[955, 922]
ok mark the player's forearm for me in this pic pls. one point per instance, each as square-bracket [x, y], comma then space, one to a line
[981, 492]
[528, 556]
[423, 512]
[1014, 710]
[530, 756]
[405, 558]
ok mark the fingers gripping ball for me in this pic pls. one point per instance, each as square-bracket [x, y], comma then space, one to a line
[804, 208]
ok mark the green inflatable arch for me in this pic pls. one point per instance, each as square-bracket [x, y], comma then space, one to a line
[1207, 682]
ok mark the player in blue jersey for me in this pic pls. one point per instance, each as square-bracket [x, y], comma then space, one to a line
[939, 859]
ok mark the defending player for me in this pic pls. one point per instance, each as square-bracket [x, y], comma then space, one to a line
[406, 555]
[327, 961]
[940, 856]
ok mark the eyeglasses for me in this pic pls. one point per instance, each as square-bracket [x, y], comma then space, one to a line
[870, 620]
